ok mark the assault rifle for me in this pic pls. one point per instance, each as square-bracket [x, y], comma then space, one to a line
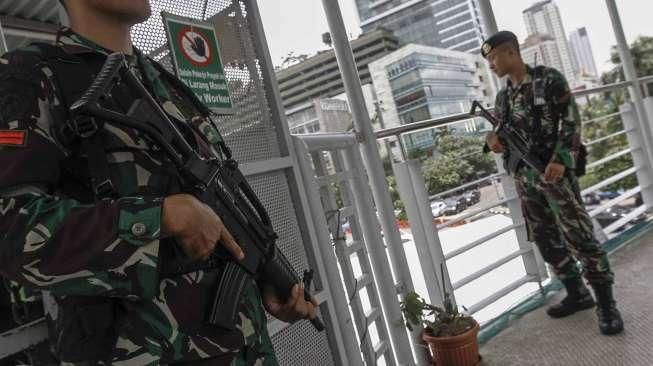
[519, 148]
[217, 182]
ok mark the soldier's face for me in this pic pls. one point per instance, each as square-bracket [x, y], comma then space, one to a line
[500, 60]
[128, 11]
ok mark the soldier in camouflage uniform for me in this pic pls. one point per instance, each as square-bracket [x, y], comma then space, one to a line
[555, 216]
[101, 260]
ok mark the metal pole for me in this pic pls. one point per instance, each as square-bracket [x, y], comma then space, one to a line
[343, 324]
[335, 309]
[533, 261]
[630, 72]
[490, 27]
[360, 193]
[634, 135]
[412, 190]
[373, 164]
[3, 41]
[487, 17]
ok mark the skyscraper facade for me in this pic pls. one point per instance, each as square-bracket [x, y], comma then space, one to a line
[544, 18]
[541, 49]
[417, 82]
[449, 24]
[581, 50]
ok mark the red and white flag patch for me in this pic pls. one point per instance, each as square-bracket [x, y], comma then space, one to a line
[13, 137]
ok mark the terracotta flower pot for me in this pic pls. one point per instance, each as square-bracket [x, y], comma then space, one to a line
[460, 350]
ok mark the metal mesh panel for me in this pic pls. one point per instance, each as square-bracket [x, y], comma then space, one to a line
[252, 136]
[302, 345]
[250, 131]
[282, 213]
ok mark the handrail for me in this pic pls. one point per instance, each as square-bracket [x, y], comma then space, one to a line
[442, 121]
[600, 118]
[602, 89]
[475, 212]
[463, 186]
[433, 122]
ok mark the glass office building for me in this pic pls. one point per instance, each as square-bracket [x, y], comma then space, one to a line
[449, 24]
[417, 83]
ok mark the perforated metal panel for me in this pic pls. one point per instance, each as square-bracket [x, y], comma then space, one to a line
[282, 214]
[250, 132]
[302, 345]
[253, 136]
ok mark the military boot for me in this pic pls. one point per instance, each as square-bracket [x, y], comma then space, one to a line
[610, 321]
[578, 298]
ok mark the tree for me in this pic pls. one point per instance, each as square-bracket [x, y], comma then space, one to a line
[458, 160]
[642, 54]
[608, 103]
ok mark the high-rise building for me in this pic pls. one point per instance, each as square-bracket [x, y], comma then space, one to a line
[541, 49]
[544, 18]
[321, 115]
[319, 76]
[418, 82]
[450, 24]
[581, 50]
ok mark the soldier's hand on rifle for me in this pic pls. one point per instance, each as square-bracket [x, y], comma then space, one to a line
[197, 228]
[553, 172]
[292, 310]
[493, 142]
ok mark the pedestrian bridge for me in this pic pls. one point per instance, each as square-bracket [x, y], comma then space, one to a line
[329, 200]
[537, 340]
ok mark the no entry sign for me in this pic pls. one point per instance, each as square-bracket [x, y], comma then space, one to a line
[196, 57]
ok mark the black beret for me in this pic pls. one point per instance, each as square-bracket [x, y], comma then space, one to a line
[497, 39]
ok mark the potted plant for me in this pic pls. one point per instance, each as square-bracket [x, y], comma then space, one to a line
[450, 334]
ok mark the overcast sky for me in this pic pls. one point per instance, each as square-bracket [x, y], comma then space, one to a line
[297, 25]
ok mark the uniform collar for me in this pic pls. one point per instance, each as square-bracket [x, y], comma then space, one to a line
[79, 44]
[528, 78]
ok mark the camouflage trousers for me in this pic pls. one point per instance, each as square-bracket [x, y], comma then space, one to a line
[561, 228]
[257, 350]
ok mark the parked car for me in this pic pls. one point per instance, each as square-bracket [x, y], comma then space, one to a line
[591, 199]
[473, 197]
[615, 213]
[455, 205]
[437, 207]
[608, 195]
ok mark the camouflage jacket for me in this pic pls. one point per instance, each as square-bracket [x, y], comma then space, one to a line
[109, 248]
[560, 110]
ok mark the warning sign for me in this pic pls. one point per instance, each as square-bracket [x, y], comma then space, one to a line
[196, 57]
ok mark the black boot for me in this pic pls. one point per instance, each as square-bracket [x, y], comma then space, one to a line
[578, 298]
[610, 321]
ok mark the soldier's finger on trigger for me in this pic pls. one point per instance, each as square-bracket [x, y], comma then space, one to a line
[297, 294]
[230, 243]
[311, 311]
[302, 308]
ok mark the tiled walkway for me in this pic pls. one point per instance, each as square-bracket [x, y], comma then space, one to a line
[539, 340]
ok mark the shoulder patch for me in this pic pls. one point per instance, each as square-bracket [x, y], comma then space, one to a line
[15, 138]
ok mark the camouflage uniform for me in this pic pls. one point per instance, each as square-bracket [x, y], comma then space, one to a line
[109, 249]
[554, 212]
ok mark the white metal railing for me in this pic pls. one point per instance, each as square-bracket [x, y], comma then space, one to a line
[363, 267]
[629, 131]
[329, 160]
